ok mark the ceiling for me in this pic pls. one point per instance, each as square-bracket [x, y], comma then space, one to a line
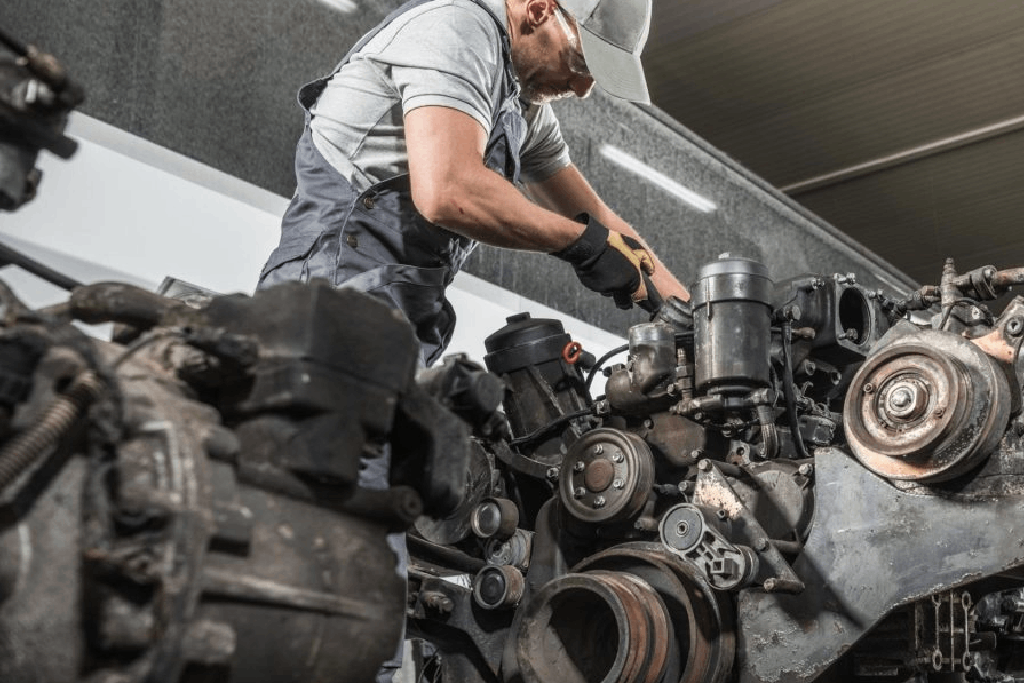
[901, 122]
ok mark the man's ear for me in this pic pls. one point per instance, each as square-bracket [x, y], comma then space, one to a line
[539, 11]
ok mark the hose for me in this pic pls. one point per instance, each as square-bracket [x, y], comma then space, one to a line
[59, 417]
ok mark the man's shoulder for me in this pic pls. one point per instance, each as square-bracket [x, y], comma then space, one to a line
[480, 13]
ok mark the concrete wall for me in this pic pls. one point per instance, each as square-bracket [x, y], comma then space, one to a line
[216, 81]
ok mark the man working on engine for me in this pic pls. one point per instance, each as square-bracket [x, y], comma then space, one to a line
[431, 120]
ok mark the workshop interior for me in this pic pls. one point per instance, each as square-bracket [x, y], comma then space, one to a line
[812, 471]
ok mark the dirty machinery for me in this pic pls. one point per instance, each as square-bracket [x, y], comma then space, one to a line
[786, 481]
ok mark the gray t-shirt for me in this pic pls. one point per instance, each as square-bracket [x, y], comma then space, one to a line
[442, 53]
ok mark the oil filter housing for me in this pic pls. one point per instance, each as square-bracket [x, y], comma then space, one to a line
[732, 326]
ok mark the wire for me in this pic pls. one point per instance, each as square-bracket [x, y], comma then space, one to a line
[558, 421]
[789, 390]
[601, 361]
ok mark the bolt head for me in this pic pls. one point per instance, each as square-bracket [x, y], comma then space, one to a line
[805, 470]
[579, 492]
[579, 466]
[761, 544]
[599, 502]
[617, 457]
[552, 473]
[704, 465]
[598, 449]
[868, 388]
[618, 483]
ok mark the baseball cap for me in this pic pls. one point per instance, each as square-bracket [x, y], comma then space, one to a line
[613, 33]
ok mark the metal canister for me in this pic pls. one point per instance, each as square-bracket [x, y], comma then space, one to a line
[732, 326]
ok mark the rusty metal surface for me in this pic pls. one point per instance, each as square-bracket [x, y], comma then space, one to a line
[926, 407]
[859, 565]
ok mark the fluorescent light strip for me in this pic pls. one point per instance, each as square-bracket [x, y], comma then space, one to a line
[634, 165]
[346, 6]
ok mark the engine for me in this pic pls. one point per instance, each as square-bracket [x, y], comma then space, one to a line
[789, 481]
[185, 505]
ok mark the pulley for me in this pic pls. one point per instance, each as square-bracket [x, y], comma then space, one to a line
[926, 408]
[606, 476]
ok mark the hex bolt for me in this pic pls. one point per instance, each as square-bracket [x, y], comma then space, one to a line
[940, 411]
[1015, 326]
[579, 492]
[598, 449]
[579, 466]
[552, 473]
[704, 465]
[868, 388]
[805, 470]
[722, 514]
[761, 544]
[617, 457]
[618, 483]
[599, 502]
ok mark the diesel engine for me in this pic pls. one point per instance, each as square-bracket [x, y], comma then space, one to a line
[792, 481]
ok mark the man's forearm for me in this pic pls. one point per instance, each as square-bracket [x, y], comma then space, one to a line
[482, 205]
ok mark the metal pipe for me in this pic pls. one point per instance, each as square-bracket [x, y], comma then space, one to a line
[906, 156]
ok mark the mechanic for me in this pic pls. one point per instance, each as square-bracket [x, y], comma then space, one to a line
[433, 119]
[436, 118]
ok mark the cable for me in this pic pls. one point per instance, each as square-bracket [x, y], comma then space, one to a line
[601, 361]
[558, 421]
[789, 390]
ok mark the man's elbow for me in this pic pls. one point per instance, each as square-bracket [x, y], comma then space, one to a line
[441, 203]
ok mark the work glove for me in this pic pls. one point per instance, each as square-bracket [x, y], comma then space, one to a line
[612, 264]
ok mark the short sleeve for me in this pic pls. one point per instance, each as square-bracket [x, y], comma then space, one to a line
[448, 54]
[544, 151]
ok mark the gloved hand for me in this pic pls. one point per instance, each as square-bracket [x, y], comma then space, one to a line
[612, 264]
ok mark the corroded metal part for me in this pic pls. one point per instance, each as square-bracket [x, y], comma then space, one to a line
[702, 641]
[926, 407]
[871, 549]
[597, 626]
[606, 476]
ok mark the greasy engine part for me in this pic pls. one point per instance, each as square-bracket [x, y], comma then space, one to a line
[602, 626]
[165, 539]
[644, 387]
[926, 406]
[538, 362]
[732, 326]
[688, 531]
[606, 477]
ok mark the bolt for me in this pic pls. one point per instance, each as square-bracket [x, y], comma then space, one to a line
[805, 470]
[722, 514]
[579, 466]
[851, 278]
[975, 313]
[697, 454]
[618, 483]
[704, 465]
[599, 502]
[579, 492]
[698, 416]
[868, 387]
[598, 449]
[1015, 326]
[940, 411]
[761, 544]
[552, 473]
[901, 398]
[617, 457]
